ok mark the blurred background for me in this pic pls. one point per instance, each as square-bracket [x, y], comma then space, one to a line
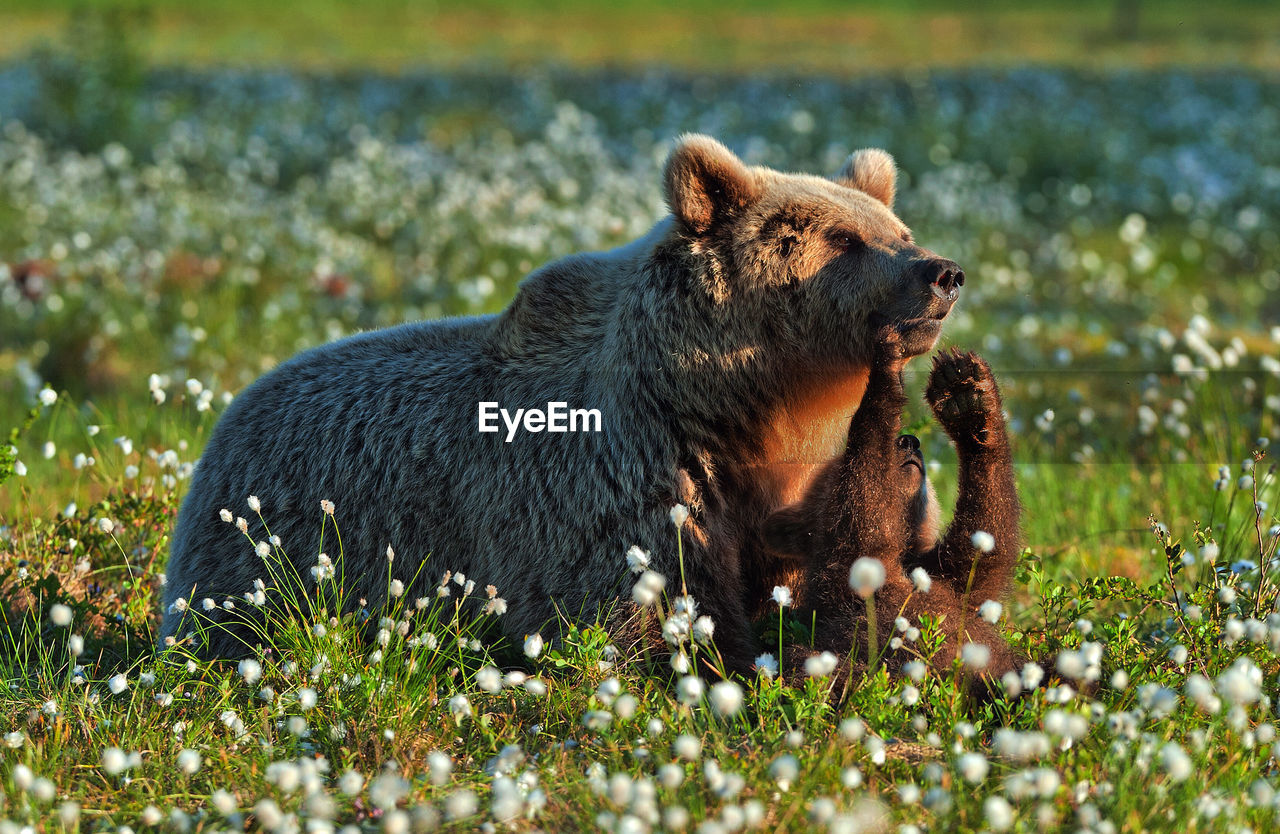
[191, 192]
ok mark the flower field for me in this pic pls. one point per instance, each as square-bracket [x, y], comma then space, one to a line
[168, 235]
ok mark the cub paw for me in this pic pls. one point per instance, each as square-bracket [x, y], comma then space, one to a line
[962, 393]
[891, 353]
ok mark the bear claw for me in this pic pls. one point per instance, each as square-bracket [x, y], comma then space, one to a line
[962, 393]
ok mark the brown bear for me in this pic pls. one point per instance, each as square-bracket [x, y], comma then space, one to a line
[876, 502]
[721, 355]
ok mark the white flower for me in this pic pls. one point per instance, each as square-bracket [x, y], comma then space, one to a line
[489, 679]
[689, 690]
[60, 615]
[225, 515]
[820, 665]
[866, 576]
[189, 761]
[782, 595]
[106, 525]
[920, 579]
[307, 698]
[459, 706]
[327, 506]
[20, 469]
[48, 396]
[767, 665]
[991, 611]
[1071, 664]
[250, 670]
[637, 559]
[703, 629]
[117, 684]
[114, 761]
[679, 515]
[255, 504]
[726, 698]
[396, 588]
[983, 541]
[973, 767]
[1175, 762]
[14, 739]
[784, 770]
[975, 656]
[647, 589]
[999, 813]
[533, 644]
[687, 747]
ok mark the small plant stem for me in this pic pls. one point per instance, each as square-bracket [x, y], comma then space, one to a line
[684, 589]
[872, 648]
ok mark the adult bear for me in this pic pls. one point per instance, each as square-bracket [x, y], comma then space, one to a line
[725, 352]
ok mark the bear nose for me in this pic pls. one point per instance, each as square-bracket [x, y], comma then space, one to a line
[945, 278]
[909, 442]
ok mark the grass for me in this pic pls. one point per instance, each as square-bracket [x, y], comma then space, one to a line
[813, 35]
[166, 235]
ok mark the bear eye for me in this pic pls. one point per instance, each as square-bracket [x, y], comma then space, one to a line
[846, 241]
[785, 245]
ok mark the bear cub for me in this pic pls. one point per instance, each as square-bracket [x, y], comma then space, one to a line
[876, 501]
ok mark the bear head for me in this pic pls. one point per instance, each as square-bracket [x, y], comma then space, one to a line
[823, 262]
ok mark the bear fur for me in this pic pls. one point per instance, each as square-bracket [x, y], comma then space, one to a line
[726, 351]
[876, 501]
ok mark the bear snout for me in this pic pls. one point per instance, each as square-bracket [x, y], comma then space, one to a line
[944, 277]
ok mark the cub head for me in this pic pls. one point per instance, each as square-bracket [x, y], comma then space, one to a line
[809, 264]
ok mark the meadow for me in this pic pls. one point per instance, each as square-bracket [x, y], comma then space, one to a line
[167, 234]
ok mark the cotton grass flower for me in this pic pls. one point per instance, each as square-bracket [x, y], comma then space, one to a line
[782, 595]
[726, 698]
[114, 761]
[679, 515]
[533, 645]
[784, 770]
[991, 611]
[975, 656]
[189, 761]
[983, 541]
[866, 576]
[489, 679]
[251, 670]
[1175, 762]
[820, 665]
[648, 588]
[689, 690]
[637, 559]
[459, 706]
[920, 579]
[60, 615]
[117, 684]
[767, 665]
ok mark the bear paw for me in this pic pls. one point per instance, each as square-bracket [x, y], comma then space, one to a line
[891, 351]
[962, 393]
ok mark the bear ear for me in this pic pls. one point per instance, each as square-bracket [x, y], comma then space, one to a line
[873, 171]
[789, 533]
[706, 183]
